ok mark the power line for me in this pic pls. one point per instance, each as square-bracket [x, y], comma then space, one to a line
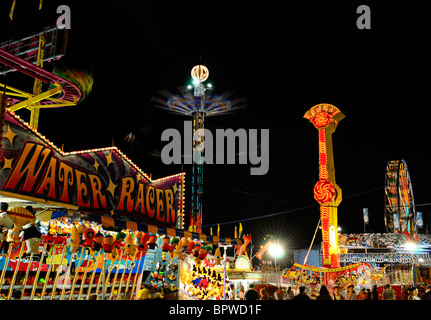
[251, 194]
[301, 208]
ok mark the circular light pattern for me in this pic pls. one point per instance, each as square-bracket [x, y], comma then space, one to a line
[321, 120]
[324, 191]
[200, 73]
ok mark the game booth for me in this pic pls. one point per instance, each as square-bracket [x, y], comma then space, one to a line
[89, 224]
[209, 276]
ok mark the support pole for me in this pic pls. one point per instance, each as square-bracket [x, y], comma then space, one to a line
[311, 244]
[224, 246]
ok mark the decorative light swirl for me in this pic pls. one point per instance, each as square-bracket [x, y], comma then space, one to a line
[324, 191]
[321, 120]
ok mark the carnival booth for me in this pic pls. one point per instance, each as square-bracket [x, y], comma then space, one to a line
[208, 276]
[242, 275]
[87, 224]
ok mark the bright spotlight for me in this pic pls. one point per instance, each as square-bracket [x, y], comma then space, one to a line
[411, 246]
[276, 250]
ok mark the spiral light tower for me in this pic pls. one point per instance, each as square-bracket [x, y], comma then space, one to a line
[325, 118]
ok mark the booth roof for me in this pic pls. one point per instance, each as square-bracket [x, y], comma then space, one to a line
[117, 224]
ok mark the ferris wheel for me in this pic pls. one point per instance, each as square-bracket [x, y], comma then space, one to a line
[400, 213]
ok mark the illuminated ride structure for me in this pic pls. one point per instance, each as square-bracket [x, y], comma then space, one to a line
[400, 213]
[325, 118]
[27, 56]
[198, 103]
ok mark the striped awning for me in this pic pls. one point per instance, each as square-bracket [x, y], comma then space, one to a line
[147, 228]
[48, 214]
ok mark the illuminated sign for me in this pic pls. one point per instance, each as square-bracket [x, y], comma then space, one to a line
[233, 275]
[242, 263]
[98, 181]
[241, 275]
[252, 275]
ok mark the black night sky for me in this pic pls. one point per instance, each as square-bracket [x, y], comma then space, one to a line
[283, 58]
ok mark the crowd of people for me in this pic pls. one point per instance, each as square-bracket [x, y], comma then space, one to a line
[410, 293]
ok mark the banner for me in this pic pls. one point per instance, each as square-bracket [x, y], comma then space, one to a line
[98, 181]
[419, 220]
[260, 253]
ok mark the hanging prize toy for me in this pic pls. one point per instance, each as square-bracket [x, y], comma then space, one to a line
[165, 247]
[172, 248]
[152, 242]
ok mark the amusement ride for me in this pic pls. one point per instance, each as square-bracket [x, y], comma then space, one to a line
[198, 101]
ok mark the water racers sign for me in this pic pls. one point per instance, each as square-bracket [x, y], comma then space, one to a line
[99, 181]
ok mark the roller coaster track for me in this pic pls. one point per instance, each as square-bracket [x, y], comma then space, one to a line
[69, 93]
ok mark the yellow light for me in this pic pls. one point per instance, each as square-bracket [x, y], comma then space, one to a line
[276, 250]
[411, 246]
[200, 73]
[332, 239]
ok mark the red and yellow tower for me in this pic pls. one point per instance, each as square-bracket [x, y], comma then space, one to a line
[325, 118]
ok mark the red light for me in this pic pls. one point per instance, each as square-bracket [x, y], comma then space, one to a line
[324, 191]
[321, 120]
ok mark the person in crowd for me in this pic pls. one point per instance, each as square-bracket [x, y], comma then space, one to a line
[351, 294]
[368, 294]
[388, 293]
[406, 292]
[427, 294]
[324, 294]
[301, 295]
[231, 292]
[144, 293]
[375, 293]
[289, 294]
[263, 294]
[363, 294]
[314, 294]
[413, 294]
[241, 293]
[336, 293]
[251, 293]
[278, 295]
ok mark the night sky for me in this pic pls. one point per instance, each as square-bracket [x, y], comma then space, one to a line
[283, 59]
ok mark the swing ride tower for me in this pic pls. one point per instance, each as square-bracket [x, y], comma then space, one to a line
[325, 118]
[198, 101]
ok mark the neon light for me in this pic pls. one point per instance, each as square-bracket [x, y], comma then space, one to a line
[324, 216]
[200, 73]
[321, 120]
[325, 191]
